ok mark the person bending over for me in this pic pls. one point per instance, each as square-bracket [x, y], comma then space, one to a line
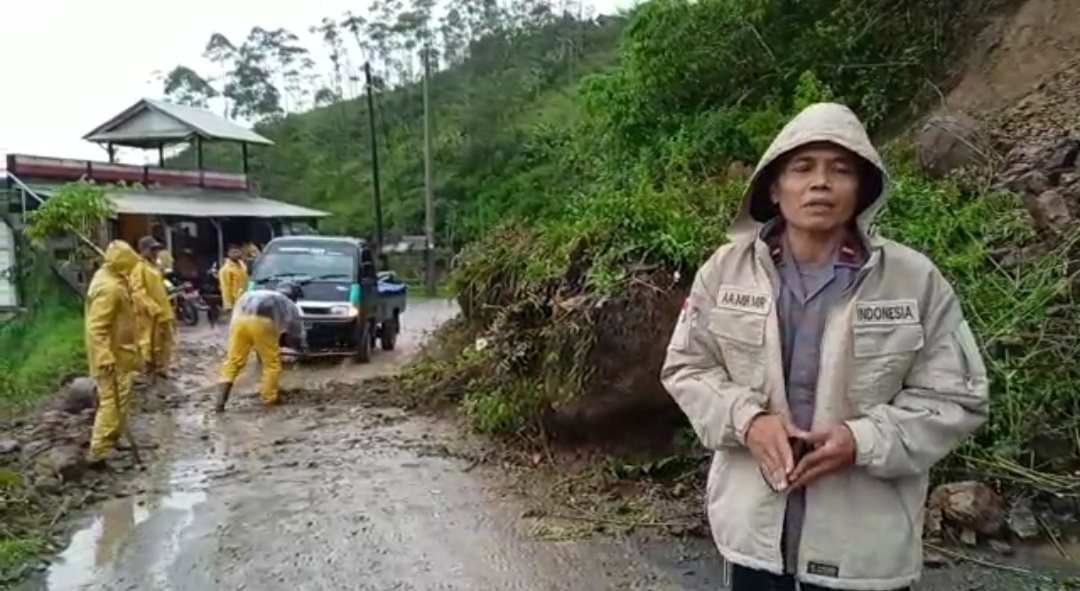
[259, 319]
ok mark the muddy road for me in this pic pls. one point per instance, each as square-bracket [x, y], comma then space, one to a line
[326, 493]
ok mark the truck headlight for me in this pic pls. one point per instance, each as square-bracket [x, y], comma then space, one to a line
[347, 311]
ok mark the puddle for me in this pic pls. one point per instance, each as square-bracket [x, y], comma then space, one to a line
[115, 527]
[114, 530]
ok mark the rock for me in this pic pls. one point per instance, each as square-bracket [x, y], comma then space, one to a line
[1060, 156]
[933, 525]
[52, 418]
[932, 559]
[1025, 181]
[1050, 211]
[969, 537]
[969, 505]
[35, 447]
[1046, 174]
[67, 462]
[1001, 547]
[9, 446]
[947, 142]
[80, 395]
[1021, 519]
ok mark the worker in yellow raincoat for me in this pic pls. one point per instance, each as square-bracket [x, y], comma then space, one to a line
[156, 320]
[165, 260]
[233, 278]
[111, 346]
[250, 251]
[260, 318]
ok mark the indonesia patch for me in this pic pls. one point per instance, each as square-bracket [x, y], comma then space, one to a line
[887, 312]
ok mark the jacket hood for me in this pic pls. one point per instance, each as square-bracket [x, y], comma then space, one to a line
[120, 257]
[822, 122]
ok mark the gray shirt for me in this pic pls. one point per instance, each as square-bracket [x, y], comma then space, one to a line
[804, 298]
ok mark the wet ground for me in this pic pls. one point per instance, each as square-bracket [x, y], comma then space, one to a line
[323, 493]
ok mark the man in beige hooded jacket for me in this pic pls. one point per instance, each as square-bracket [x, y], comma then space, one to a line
[829, 368]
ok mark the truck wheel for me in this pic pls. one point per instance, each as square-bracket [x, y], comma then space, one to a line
[390, 329]
[363, 343]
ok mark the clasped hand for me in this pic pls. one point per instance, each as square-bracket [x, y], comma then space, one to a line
[773, 440]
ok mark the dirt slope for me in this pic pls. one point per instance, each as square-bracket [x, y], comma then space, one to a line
[1023, 72]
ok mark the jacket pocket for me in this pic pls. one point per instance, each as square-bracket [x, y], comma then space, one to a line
[883, 356]
[741, 336]
[887, 545]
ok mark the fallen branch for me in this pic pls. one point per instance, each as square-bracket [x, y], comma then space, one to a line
[608, 521]
[988, 564]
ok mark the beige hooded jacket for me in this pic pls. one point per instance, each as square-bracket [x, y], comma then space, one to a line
[899, 366]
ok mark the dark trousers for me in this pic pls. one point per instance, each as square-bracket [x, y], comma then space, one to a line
[745, 579]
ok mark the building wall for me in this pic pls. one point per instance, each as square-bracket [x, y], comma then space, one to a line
[133, 227]
[9, 297]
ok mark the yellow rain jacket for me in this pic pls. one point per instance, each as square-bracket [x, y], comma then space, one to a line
[165, 259]
[110, 313]
[148, 288]
[156, 316]
[111, 344]
[233, 278]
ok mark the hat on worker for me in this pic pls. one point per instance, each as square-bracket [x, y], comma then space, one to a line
[149, 243]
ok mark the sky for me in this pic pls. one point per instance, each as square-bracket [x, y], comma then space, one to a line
[70, 65]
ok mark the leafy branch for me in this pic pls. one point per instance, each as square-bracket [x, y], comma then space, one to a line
[75, 208]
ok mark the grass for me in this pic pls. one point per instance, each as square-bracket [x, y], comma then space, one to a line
[38, 350]
[15, 553]
[41, 347]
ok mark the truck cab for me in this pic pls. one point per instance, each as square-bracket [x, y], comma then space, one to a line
[339, 286]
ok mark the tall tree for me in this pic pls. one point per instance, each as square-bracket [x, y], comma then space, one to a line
[185, 86]
[250, 84]
[221, 52]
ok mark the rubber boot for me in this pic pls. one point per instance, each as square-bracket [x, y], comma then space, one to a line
[224, 389]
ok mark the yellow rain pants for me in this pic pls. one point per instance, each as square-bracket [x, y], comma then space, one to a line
[247, 332]
[161, 352]
[114, 409]
[155, 316]
[112, 351]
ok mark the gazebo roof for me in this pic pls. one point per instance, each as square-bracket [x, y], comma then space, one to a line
[151, 122]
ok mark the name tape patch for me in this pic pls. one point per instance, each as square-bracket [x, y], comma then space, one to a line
[755, 302]
[822, 569]
[887, 312]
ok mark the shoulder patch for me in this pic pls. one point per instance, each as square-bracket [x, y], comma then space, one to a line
[743, 300]
[887, 312]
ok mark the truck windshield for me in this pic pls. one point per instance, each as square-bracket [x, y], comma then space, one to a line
[310, 262]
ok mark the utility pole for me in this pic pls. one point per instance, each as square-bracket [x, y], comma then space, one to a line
[429, 185]
[375, 168]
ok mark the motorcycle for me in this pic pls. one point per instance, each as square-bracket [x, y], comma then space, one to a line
[186, 299]
[211, 294]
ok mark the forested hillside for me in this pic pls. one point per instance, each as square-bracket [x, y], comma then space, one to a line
[502, 94]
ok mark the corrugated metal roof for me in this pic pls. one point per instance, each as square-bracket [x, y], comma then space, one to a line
[200, 203]
[192, 122]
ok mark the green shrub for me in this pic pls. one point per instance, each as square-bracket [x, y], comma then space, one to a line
[44, 345]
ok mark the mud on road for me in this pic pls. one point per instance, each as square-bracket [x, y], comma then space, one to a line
[330, 491]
